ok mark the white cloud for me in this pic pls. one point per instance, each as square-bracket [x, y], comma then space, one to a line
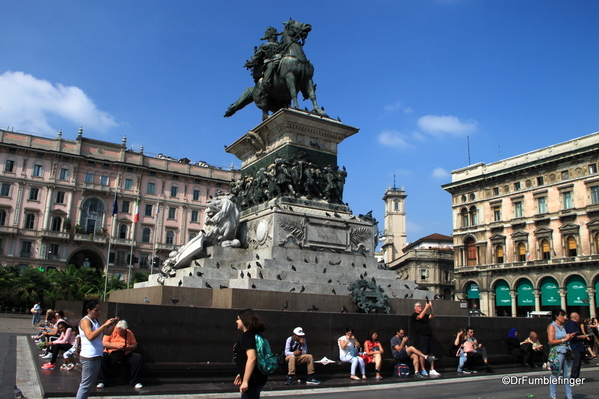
[393, 107]
[440, 173]
[408, 110]
[28, 104]
[394, 139]
[440, 125]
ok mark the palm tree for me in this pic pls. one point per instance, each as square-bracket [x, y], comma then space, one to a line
[8, 282]
[32, 284]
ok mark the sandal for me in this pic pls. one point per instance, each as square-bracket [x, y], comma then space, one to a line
[363, 376]
[378, 378]
[353, 377]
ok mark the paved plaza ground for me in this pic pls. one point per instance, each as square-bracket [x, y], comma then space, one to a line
[19, 366]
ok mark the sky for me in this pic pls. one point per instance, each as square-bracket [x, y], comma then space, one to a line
[433, 85]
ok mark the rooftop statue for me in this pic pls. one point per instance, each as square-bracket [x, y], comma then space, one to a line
[279, 70]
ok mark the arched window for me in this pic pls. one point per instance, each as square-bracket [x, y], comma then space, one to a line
[92, 214]
[464, 214]
[546, 248]
[56, 223]
[2, 217]
[123, 231]
[499, 254]
[572, 249]
[473, 216]
[170, 237]
[471, 252]
[145, 234]
[29, 221]
[521, 249]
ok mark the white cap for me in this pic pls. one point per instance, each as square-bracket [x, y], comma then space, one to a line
[299, 332]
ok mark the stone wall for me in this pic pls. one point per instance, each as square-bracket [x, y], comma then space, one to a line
[191, 334]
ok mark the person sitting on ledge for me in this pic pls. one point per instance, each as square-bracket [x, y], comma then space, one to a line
[373, 352]
[471, 350]
[296, 352]
[121, 339]
[537, 349]
[348, 352]
[519, 349]
[402, 351]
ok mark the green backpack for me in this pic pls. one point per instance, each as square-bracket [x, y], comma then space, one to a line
[267, 361]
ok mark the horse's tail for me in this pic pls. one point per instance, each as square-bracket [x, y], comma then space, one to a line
[246, 98]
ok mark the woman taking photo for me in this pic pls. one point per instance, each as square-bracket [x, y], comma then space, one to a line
[91, 333]
[250, 379]
[559, 343]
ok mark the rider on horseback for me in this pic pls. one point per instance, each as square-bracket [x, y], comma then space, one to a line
[266, 58]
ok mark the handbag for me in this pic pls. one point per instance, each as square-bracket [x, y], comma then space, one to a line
[118, 356]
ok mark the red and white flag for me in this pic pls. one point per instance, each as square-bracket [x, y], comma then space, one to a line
[136, 215]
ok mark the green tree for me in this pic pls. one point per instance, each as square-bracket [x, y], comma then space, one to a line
[8, 281]
[139, 277]
[115, 283]
[32, 285]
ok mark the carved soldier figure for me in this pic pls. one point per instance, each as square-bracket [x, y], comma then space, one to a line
[266, 58]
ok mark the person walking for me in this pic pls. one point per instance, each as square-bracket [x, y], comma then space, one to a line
[559, 341]
[36, 311]
[249, 378]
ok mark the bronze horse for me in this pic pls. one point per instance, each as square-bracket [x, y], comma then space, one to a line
[294, 73]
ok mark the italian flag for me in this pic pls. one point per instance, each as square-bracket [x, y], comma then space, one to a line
[136, 215]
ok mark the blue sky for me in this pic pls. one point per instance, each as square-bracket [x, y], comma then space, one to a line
[417, 77]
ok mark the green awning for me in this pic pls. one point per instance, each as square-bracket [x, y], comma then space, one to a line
[502, 294]
[525, 293]
[550, 293]
[597, 293]
[473, 291]
[577, 292]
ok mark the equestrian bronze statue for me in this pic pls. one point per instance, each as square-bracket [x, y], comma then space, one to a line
[280, 70]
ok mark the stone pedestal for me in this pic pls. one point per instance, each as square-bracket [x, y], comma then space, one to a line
[295, 243]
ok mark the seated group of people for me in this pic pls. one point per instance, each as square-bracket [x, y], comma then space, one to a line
[468, 350]
[56, 335]
[349, 351]
[528, 350]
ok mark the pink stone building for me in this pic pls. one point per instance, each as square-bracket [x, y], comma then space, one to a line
[57, 202]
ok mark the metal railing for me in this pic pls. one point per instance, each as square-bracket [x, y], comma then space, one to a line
[15, 310]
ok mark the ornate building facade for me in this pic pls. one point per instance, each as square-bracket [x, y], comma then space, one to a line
[526, 230]
[429, 262]
[57, 200]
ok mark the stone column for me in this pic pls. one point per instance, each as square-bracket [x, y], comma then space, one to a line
[484, 302]
[491, 304]
[46, 225]
[592, 307]
[514, 294]
[562, 294]
[537, 295]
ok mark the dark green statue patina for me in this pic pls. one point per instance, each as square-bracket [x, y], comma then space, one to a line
[280, 71]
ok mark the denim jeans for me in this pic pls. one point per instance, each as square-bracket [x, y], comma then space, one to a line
[89, 372]
[566, 367]
[36, 318]
[252, 392]
[355, 361]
